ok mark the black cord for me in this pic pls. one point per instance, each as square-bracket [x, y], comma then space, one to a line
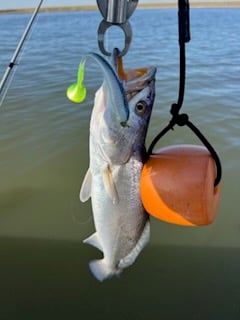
[183, 119]
[210, 148]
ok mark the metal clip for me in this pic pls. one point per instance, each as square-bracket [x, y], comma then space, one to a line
[116, 12]
[126, 28]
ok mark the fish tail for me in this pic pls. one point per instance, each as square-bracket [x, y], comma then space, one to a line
[102, 271]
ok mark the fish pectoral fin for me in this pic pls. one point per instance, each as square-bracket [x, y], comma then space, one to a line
[109, 184]
[94, 241]
[131, 257]
[85, 192]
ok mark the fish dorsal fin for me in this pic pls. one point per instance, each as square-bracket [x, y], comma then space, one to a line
[85, 192]
[109, 184]
[143, 240]
[93, 240]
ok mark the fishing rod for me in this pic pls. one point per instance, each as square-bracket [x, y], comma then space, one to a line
[19, 46]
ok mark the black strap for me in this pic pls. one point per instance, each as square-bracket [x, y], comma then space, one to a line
[183, 119]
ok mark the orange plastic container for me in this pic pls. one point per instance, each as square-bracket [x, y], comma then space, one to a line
[177, 185]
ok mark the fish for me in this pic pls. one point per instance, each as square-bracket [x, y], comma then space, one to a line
[118, 128]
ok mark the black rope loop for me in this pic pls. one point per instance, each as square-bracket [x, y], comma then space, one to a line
[183, 119]
[210, 148]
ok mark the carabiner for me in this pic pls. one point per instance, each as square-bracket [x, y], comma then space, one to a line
[126, 28]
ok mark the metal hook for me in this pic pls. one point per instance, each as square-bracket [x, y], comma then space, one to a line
[126, 28]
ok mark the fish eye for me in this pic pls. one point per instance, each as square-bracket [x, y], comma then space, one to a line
[140, 107]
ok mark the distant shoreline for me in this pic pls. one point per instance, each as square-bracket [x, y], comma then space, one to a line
[226, 4]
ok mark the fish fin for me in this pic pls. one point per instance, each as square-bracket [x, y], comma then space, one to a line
[109, 184]
[85, 192]
[94, 241]
[101, 270]
[143, 240]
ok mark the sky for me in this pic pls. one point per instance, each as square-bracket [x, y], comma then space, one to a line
[14, 4]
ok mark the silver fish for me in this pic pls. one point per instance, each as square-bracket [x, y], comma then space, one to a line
[118, 129]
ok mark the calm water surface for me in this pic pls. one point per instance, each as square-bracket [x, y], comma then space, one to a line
[191, 272]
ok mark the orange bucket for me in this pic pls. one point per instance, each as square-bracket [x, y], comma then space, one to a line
[177, 185]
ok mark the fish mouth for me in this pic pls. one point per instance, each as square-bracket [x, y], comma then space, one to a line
[120, 86]
[134, 80]
[138, 79]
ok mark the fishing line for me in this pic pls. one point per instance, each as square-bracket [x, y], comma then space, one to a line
[83, 222]
[16, 53]
[77, 217]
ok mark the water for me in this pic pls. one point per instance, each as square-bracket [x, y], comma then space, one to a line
[191, 272]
